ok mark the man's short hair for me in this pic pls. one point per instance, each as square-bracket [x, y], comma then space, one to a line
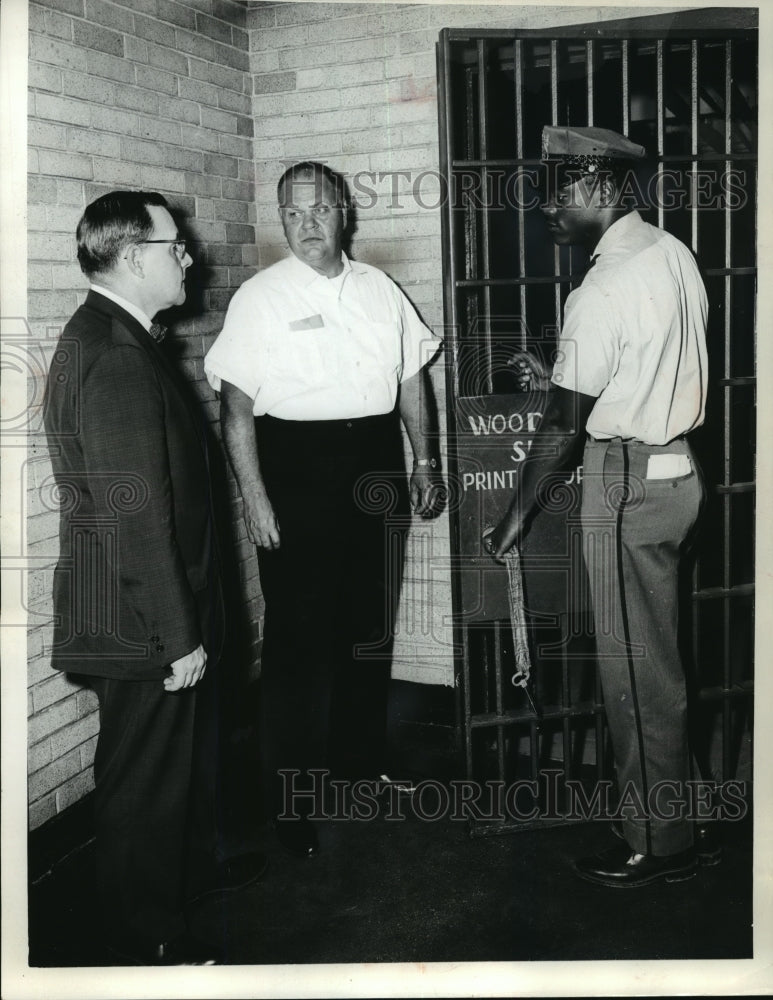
[319, 171]
[111, 223]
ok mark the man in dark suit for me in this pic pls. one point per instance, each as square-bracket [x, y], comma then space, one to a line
[137, 597]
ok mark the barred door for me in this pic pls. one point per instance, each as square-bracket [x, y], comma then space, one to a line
[689, 97]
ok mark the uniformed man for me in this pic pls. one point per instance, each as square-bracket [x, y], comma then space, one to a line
[328, 353]
[631, 375]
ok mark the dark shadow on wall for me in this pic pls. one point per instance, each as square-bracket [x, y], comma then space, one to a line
[199, 277]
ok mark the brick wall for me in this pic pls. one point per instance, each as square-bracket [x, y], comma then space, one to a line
[149, 94]
[355, 85]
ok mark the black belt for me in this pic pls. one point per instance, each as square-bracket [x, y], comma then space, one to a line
[621, 440]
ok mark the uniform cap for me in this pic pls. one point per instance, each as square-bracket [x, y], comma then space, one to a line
[588, 148]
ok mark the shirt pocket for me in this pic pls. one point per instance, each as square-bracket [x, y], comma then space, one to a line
[299, 356]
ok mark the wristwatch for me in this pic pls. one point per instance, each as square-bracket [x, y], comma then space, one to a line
[431, 462]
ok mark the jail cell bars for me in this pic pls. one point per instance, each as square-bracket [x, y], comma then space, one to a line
[692, 102]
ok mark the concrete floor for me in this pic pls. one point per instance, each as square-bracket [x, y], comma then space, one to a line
[417, 891]
[414, 890]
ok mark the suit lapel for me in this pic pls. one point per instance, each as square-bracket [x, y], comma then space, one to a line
[102, 304]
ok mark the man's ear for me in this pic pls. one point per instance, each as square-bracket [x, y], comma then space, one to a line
[135, 261]
[607, 191]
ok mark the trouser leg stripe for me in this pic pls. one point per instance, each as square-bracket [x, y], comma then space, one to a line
[627, 637]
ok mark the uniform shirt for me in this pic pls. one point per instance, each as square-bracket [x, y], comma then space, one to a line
[306, 347]
[634, 336]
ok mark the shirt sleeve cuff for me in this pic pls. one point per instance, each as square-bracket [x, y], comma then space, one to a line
[428, 349]
[216, 375]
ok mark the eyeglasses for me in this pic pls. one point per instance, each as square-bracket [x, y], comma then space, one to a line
[177, 245]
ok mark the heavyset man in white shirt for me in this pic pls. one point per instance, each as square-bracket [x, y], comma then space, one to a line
[328, 354]
[630, 373]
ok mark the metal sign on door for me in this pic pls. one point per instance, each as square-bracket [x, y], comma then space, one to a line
[494, 436]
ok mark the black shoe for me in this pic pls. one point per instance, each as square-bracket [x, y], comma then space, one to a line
[708, 849]
[231, 875]
[621, 867]
[298, 837]
[183, 950]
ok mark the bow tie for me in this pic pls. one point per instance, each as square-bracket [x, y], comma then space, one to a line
[157, 332]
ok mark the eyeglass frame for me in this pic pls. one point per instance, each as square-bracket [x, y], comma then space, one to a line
[175, 243]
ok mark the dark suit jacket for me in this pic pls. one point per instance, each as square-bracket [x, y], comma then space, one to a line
[137, 584]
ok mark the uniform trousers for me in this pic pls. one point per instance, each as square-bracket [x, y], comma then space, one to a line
[339, 494]
[634, 531]
[154, 806]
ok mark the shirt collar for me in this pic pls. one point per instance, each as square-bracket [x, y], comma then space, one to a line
[130, 307]
[307, 275]
[618, 231]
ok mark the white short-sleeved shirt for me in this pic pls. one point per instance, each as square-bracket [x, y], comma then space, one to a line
[634, 336]
[306, 347]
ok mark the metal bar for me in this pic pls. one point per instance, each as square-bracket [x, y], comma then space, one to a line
[485, 662]
[589, 78]
[630, 27]
[518, 71]
[566, 702]
[514, 161]
[533, 751]
[486, 249]
[509, 161]
[498, 699]
[735, 487]
[739, 380]
[467, 702]
[554, 121]
[626, 70]
[518, 716]
[735, 271]
[470, 230]
[495, 282]
[660, 116]
[599, 730]
[695, 623]
[742, 690]
[727, 718]
[694, 139]
[710, 272]
[463, 707]
[714, 593]
[706, 157]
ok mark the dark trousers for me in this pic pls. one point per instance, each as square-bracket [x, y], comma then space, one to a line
[339, 494]
[634, 530]
[150, 828]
